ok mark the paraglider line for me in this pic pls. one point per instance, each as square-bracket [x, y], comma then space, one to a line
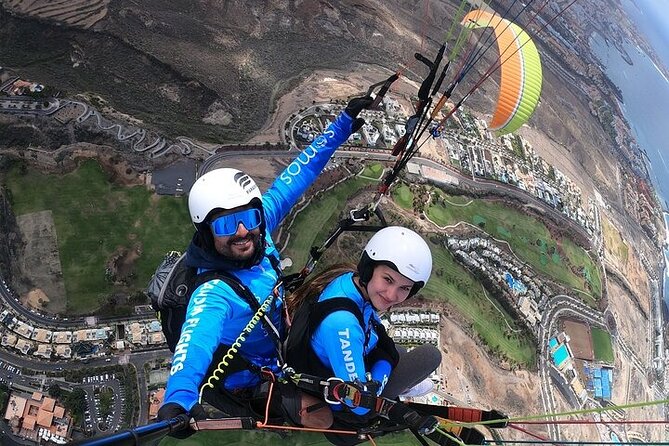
[490, 71]
[494, 67]
[531, 434]
[594, 422]
[490, 40]
[577, 442]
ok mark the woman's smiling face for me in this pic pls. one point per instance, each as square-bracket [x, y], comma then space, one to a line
[387, 287]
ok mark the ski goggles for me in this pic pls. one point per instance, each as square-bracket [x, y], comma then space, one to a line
[226, 225]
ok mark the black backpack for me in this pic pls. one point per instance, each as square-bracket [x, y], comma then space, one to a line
[172, 285]
[298, 352]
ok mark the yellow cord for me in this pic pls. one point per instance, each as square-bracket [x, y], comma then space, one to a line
[236, 345]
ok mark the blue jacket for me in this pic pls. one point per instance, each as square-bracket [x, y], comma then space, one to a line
[216, 315]
[342, 344]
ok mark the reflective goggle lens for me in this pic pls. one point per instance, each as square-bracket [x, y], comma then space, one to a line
[226, 225]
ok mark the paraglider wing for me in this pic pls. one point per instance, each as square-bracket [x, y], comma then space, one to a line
[520, 81]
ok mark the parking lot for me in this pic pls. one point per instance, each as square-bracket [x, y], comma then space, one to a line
[95, 420]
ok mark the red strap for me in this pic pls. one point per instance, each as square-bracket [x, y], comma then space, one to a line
[463, 414]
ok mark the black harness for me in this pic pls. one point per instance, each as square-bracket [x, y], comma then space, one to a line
[299, 354]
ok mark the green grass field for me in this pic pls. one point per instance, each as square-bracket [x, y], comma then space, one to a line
[373, 171]
[529, 238]
[456, 200]
[94, 218]
[601, 343]
[403, 196]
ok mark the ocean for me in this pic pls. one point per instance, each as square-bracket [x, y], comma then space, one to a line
[645, 93]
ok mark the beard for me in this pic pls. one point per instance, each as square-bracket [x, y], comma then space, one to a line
[239, 249]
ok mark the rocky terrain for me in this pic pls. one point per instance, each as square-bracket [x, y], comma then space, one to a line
[214, 70]
[219, 71]
[79, 13]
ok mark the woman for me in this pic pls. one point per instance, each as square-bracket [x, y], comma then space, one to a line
[340, 331]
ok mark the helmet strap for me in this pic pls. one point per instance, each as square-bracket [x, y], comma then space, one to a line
[360, 286]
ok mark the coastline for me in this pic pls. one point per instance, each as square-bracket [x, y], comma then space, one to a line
[664, 295]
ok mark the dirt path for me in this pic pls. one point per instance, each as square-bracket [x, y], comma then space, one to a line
[41, 262]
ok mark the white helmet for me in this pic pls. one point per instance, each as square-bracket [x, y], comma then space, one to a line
[401, 249]
[223, 188]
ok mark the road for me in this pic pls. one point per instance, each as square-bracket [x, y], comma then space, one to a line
[23, 105]
[558, 306]
[138, 360]
[49, 321]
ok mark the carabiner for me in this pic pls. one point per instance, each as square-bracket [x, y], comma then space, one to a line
[327, 391]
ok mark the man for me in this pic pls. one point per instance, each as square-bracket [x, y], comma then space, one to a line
[233, 224]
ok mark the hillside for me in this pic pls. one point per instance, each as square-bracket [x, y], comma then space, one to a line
[215, 70]
[209, 70]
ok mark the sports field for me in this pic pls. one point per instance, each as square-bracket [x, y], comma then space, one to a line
[601, 342]
[529, 239]
[93, 220]
[580, 339]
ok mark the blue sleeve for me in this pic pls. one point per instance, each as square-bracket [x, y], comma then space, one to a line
[206, 314]
[342, 340]
[303, 171]
[381, 372]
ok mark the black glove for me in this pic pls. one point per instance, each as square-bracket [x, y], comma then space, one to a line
[403, 415]
[356, 105]
[171, 410]
[494, 415]
[370, 386]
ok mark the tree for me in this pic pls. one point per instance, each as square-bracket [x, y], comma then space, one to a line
[551, 173]
[55, 391]
[75, 402]
[138, 298]
[4, 397]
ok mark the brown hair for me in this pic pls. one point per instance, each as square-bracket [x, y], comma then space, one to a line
[315, 286]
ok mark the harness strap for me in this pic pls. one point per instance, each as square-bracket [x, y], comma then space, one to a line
[247, 295]
[246, 423]
[464, 414]
[337, 391]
